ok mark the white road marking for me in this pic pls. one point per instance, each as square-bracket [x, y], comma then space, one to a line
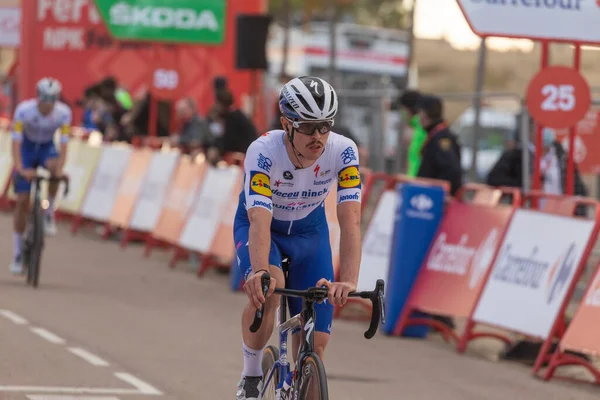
[70, 390]
[60, 397]
[89, 357]
[16, 318]
[139, 384]
[47, 335]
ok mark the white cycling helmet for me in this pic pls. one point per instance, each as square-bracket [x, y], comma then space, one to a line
[48, 89]
[308, 98]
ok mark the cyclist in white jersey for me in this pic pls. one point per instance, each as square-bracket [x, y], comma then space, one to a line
[34, 125]
[288, 175]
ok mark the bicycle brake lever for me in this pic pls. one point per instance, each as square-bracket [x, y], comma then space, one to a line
[265, 281]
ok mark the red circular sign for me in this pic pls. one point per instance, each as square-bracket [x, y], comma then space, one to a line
[558, 97]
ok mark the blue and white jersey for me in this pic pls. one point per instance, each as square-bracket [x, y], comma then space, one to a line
[293, 195]
[29, 124]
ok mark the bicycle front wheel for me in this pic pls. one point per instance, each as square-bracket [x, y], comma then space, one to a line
[312, 383]
[37, 245]
[270, 355]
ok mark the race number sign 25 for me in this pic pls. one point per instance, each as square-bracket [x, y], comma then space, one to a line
[558, 97]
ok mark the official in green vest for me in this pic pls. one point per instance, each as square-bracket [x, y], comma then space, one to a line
[408, 104]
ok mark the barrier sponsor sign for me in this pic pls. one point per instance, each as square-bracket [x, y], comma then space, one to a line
[179, 200]
[130, 187]
[103, 190]
[213, 198]
[462, 253]
[154, 191]
[80, 166]
[223, 247]
[531, 275]
[534, 19]
[377, 242]
[582, 333]
[5, 159]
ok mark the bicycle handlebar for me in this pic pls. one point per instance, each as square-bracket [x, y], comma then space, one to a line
[59, 179]
[317, 294]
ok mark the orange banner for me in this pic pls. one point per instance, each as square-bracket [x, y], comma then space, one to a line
[180, 199]
[130, 187]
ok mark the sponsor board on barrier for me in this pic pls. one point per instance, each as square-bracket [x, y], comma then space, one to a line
[532, 272]
[179, 200]
[223, 247]
[102, 193]
[5, 159]
[130, 187]
[203, 221]
[80, 165]
[582, 333]
[459, 258]
[377, 242]
[154, 191]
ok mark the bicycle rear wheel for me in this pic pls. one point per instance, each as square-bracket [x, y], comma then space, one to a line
[37, 244]
[313, 379]
[270, 355]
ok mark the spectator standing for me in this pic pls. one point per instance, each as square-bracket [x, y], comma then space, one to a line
[408, 103]
[193, 133]
[440, 153]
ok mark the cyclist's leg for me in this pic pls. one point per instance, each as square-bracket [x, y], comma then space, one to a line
[49, 159]
[22, 188]
[254, 343]
[314, 261]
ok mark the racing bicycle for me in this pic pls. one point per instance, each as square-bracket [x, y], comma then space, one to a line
[33, 242]
[309, 375]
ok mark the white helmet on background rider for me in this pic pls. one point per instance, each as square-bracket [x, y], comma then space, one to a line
[48, 89]
[308, 98]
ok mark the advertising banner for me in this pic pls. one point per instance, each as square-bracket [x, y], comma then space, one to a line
[453, 273]
[534, 268]
[177, 21]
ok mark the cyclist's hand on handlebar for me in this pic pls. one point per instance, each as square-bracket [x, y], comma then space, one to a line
[253, 288]
[338, 291]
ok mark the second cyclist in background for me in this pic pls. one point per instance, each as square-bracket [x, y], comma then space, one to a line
[34, 125]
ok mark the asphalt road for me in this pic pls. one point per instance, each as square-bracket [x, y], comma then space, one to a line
[108, 324]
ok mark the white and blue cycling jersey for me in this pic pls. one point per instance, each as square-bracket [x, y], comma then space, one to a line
[29, 125]
[296, 196]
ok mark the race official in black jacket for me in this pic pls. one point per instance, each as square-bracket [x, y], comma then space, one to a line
[441, 151]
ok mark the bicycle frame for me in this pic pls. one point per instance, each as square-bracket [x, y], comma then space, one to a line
[305, 320]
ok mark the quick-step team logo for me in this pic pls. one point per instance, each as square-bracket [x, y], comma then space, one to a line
[260, 184]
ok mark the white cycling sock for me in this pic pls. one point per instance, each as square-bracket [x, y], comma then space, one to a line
[18, 240]
[252, 361]
[50, 209]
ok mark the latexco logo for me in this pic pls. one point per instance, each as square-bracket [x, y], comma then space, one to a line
[421, 202]
[163, 17]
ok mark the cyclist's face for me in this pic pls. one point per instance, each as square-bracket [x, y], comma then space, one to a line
[45, 107]
[310, 145]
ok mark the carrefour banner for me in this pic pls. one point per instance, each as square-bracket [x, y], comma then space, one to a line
[176, 21]
[535, 267]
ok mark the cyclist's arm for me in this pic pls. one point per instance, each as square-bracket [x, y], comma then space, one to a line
[259, 204]
[348, 213]
[65, 135]
[17, 138]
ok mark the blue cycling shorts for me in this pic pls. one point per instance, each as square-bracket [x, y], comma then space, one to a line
[33, 155]
[311, 260]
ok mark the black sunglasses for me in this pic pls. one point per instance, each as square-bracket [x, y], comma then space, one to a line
[309, 128]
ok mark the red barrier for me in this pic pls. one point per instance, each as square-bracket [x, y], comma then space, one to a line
[458, 262]
[536, 271]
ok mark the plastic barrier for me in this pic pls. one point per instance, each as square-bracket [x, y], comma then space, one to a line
[152, 195]
[130, 188]
[458, 261]
[5, 166]
[418, 216]
[102, 192]
[178, 203]
[582, 333]
[535, 272]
